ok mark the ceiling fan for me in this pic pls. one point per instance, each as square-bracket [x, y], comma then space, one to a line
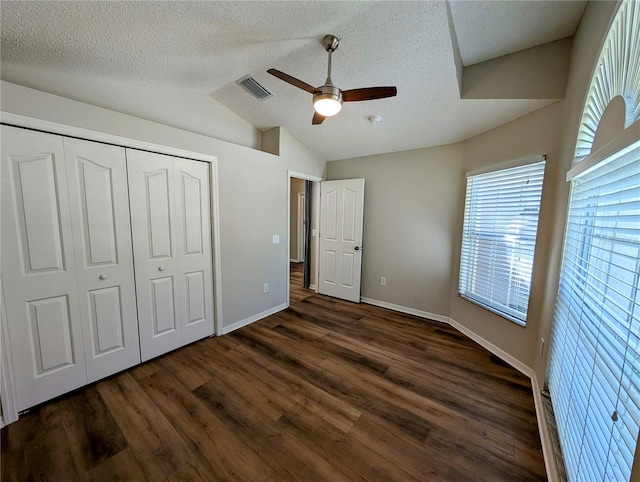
[328, 99]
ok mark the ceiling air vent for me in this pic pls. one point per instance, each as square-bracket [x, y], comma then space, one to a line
[252, 86]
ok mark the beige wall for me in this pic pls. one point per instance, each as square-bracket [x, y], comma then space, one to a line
[586, 46]
[536, 73]
[253, 187]
[530, 136]
[411, 199]
[414, 205]
[196, 113]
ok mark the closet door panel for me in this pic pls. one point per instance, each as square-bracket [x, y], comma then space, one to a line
[151, 191]
[193, 224]
[50, 329]
[162, 298]
[195, 295]
[38, 206]
[99, 202]
[38, 267]
[107, 326]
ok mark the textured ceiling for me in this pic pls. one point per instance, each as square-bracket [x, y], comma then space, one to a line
[204, 47]
[490, 29]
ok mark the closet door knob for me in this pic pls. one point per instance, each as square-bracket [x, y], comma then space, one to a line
[103, 276]
[161, 268]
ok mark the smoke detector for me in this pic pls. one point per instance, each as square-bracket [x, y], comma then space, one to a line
[375, 119]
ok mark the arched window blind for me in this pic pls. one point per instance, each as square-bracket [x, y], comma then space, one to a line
[499, 238]
[594, 366]
[617, 73]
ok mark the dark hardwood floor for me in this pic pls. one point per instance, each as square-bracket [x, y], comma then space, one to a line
[296, 291]
[325, 390]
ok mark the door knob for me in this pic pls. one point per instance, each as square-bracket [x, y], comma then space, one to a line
[357, 248]
[103, 276]
[160, 268]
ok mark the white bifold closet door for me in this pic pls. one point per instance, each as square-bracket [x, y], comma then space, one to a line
[67, 274]
[99, 203]
[170, 206]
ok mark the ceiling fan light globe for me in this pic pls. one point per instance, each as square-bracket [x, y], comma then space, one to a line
[327, 107]
[327, 101]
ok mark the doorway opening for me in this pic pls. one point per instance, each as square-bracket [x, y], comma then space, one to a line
[304, 195]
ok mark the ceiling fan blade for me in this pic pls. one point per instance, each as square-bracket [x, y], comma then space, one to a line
[317, 119]
[368, 93]
[292, 80]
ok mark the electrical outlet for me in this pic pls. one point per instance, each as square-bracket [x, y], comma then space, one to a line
[266, 287]
[276, 238]
[383, 281]
[541, 346]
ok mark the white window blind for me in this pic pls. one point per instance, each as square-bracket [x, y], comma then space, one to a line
[499, 238]
[594, 365]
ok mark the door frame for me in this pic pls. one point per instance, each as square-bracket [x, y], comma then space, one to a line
[8, 398]
[316, 215]
[300, 226]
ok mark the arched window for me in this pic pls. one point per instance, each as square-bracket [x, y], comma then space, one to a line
[616, 78]
[594, 362]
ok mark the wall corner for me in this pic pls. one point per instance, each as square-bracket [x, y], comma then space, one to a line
[270, 141]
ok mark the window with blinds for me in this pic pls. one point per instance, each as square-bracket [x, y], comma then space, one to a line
[594, 364]
[499, 238]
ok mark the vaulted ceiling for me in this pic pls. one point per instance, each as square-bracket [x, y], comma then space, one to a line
[204, 47]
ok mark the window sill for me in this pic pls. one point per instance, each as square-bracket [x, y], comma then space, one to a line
[501, 314]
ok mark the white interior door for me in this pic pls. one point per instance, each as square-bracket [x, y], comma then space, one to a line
[99, 203]
[153, 226]
[38, 268]
[193, 228]
[341, 221]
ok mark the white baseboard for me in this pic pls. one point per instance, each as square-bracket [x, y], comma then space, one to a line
[545, 437]
[404, 309]
[497, 351]
[251, 319]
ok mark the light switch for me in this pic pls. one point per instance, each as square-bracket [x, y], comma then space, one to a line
[276, 238]
[314, 232]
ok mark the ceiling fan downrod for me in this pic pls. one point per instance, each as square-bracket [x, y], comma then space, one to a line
[330, 43]
[327, 99]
